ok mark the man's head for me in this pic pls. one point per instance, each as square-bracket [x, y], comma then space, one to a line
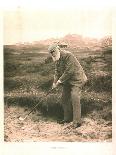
[54, 50]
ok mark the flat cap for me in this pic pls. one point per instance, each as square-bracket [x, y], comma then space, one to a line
[53, 47]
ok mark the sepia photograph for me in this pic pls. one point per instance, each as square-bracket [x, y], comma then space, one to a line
[57, 77]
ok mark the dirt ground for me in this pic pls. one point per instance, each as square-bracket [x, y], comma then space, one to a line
[37, 128]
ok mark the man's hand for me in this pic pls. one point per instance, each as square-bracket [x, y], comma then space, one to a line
[56, 84]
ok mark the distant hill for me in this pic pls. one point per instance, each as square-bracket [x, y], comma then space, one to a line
[73, 40]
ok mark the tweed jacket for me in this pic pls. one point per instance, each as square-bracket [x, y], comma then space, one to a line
[68, 70]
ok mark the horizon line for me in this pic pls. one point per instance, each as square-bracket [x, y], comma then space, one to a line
[33, 42]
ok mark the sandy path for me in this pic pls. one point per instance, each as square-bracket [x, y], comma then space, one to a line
[37, 128]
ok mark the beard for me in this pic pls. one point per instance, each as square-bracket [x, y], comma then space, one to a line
[56, 57]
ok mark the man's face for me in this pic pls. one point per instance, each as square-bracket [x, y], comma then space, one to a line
[55, 54]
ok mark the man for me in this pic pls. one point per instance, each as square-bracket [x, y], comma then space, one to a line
[70, 74]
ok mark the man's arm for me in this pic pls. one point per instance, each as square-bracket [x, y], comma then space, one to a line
[56, 82]
[55, 75]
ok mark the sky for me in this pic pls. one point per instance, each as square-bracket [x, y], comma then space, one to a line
[55, 19]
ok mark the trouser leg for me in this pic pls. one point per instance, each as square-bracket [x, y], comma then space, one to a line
[66, 102]
[75, 97]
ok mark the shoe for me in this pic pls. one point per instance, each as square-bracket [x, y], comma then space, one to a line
[77, 125]
[63, 121]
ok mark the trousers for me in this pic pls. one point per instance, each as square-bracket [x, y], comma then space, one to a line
[71, 103]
